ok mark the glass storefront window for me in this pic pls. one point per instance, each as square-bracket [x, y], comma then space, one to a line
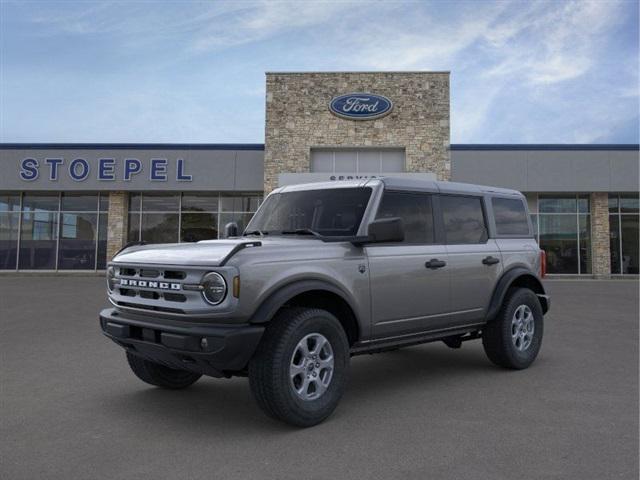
[49, 231]
[563, 229]
[200, 202]
[198, 226]
[160, 202]
[9, 222]
[38, 240]
[79, 202]
[623, 233]
[78, 235]
[559, 238]
[9, 202]
[190, 217]
[41, 201]
[159, 228]
[629, 204]
[557, 204]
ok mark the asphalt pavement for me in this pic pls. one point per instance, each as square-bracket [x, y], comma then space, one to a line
[71, 409]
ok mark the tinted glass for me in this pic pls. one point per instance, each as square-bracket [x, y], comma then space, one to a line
[102, 242]
[629, 204]
[534, 223]
[247, 203]
[40, 201]
[133, 232]
[414, 210]
[559, 238]
[77, 247]
[463, 219]
[613, 203]
[153, 202]
[200, 202]
[585, 243]
[79, 202]
[8, 240]
[198, 226]
[38, 240]
[104, 202]
[630, 245]
[9, 202]
[160, 227]
[558, 204]
[583, 203]
[614, 242]
[510, 216]
[336, 212]
[135, 202]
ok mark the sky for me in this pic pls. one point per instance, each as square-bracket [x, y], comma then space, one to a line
[193, 72]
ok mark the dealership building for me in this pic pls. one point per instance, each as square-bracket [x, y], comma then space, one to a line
[72, 206]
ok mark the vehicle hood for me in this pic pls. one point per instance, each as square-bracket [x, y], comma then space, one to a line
[204, 253]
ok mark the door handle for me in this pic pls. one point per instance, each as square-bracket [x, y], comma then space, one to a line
[490, 260]
[435, 263]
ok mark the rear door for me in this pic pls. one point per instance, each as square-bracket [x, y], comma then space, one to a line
[474, 258]
[409, 280]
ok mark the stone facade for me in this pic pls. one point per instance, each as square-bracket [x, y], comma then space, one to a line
[600, 248]
[117, 222]
[298, 119]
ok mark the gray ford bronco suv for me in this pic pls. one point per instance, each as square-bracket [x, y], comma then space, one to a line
[326, 271]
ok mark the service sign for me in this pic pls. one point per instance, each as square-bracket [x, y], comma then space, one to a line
[360, 106]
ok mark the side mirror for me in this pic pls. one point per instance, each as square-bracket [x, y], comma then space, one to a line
[231, 229]
[386, 230]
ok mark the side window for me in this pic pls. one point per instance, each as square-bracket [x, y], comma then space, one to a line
[511, 216]
[463, 219]
[414, 210]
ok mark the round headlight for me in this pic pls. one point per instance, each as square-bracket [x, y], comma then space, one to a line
[214, 288]
[111, 277]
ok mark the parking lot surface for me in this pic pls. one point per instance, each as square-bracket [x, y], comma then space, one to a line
[71, 409]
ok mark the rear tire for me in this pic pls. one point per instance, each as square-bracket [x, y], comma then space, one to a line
[513, 338]
[159, 375]
[300, 369]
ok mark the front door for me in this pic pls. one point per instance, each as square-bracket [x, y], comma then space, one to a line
[410, 290]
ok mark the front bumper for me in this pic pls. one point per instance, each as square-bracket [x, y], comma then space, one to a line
[214, 350]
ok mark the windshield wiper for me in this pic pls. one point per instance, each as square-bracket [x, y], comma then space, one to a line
[302, 231]
[255, 232]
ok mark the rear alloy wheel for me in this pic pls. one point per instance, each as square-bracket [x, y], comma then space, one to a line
[514, 337]
[299, 371]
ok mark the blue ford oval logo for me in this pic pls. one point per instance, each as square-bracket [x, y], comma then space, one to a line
[360, 106]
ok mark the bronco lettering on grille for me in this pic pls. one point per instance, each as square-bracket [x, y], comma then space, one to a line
[127, 282]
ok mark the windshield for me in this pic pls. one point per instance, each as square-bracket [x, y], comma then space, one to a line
[332, 212]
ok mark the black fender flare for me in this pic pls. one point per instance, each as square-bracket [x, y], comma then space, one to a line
[282, 295]
[506, 281]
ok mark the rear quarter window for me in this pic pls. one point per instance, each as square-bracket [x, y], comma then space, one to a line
[510, 216]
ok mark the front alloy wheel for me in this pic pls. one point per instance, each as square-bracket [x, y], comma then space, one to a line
[311, 367]
[299, 371]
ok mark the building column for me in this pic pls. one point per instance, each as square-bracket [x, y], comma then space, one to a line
[600, 251]
[117, 222]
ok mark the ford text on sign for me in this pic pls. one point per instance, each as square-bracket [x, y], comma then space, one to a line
[360, 106]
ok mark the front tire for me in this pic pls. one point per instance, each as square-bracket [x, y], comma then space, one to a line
[159, 375]
[513, 338]
[300, 369]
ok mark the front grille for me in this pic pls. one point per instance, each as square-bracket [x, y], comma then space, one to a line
[156, 289]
